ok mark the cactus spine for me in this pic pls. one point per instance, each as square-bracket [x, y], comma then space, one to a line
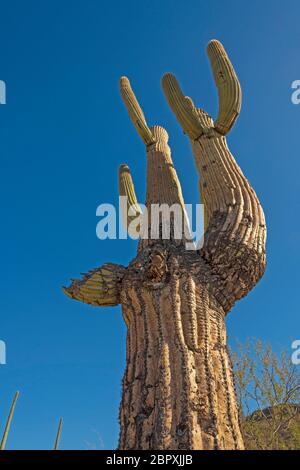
[178, 386]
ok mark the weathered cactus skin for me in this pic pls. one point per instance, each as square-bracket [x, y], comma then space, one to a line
[178, 387]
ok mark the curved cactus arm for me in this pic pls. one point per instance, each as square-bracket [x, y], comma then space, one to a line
[99, 287]
[135, 111]
[131, 210]
[229, 90]
[182, 107]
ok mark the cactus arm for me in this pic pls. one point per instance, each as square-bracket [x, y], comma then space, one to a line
[126, 188]
[228, 86]
[135, 112]
[234, 241]
[9, 420]
[99, 287]
[194, 123]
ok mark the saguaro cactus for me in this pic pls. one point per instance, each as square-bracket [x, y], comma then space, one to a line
[178, 387]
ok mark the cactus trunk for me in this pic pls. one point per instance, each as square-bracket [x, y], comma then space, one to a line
[178, 389]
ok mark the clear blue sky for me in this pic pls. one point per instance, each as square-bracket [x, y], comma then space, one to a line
[63, 133]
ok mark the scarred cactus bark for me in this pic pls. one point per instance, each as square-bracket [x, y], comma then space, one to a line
[178, 387]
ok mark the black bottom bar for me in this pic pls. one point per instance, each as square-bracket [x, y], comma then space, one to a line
[142, 459]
